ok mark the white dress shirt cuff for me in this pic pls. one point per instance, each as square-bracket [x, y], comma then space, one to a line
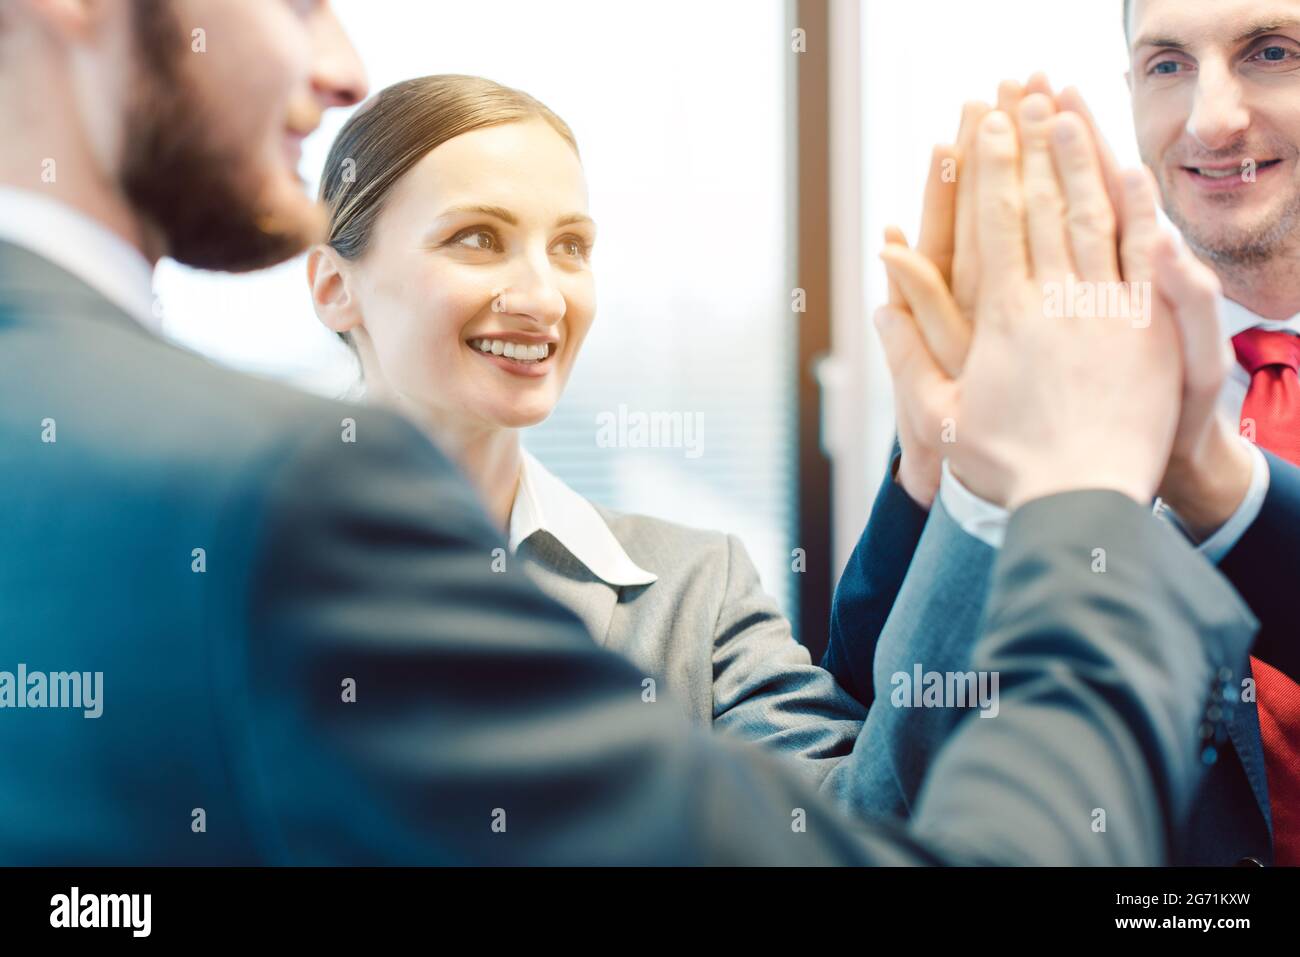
[983, 520]
[988, 522]
[1216, 547]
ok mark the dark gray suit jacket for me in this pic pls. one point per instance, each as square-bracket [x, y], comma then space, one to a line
[936, 619]
[487, 726]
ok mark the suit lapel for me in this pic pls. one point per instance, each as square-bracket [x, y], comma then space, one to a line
[562, 577]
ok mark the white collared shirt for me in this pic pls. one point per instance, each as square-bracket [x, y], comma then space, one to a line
[988, 522]
[73, 241]
[544, 503]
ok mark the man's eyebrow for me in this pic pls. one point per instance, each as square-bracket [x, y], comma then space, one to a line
[1263, 29]
[1266, 28]
[1157, 41]
[573, 218]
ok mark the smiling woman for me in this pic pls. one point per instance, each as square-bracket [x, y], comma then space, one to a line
[458, 265]
[465, 222]
[690, 180]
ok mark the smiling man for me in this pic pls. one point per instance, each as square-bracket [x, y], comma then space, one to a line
[1216, 108]
[1216, 104]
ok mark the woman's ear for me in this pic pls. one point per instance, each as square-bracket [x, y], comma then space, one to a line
[331, 290]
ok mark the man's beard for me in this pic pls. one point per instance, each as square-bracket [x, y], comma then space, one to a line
[1242, 247]
[207, 203]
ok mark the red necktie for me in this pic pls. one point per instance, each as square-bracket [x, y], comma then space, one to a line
[1271, 416]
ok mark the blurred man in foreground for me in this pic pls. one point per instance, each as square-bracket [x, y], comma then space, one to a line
[296, 659]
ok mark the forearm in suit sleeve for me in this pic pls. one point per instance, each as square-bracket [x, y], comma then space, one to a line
[870, 584]
[478, 701]
[1263, 566]
[766, 688]
[1133, 630]
[933, 628]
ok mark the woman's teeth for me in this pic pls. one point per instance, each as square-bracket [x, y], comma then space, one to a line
[512, 350]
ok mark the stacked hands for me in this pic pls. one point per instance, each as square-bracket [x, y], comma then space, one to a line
[995, 372]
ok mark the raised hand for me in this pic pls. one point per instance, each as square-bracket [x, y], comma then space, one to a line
[922, 326]
[1075, 375]
[922, 317]
[922, 320]
[933, 290]
[1209, 469]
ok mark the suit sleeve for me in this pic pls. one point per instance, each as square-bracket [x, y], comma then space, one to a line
[870, 584]
[1149, 629]
[403, 703]
[1263, 567]
[766, 688]
[933, 628]
[396, 701]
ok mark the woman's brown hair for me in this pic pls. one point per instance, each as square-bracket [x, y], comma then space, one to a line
[397, 128]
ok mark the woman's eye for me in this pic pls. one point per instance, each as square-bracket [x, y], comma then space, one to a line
[573, 247]
[476, 239]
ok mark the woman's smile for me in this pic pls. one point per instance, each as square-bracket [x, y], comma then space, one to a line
[514, 355]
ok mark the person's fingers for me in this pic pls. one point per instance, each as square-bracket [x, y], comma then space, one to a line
[895, 237]
[1191, 291]
[972, 111]
[1045, 211]
[938, 225]
[965, 258]
[1010, 93]
[942, 326]
[1071, 100]
[911, 367]
[1091, 216]
[1038, 83]
[1139, 229]
[1000, 206]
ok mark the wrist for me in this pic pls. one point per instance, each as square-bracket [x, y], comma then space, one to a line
[1207, 488]
[919, 476]
[1012, 488]
[1031, 488]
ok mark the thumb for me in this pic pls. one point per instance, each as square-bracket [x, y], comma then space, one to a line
[1192, 292]
[934, 312]
[910, 364]
[895, 237]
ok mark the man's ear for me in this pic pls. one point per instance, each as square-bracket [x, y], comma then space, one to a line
[331, 290]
